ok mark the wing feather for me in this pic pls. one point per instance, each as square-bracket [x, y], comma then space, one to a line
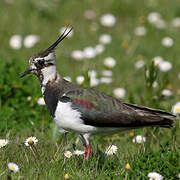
[101, 110]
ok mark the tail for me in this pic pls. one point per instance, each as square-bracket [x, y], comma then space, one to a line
[163, 122]
[153, 117]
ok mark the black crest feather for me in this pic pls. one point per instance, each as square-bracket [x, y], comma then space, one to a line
[52, 47]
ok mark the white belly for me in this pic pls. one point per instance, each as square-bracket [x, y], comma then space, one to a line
[70, 119]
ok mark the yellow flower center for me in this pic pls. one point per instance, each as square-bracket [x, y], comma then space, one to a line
[3, 144]
[139, 139]
[68, 155]
[170, 86]
[111, 150]
[178, 109]
[30, 140]
[124, 44]
[66, 176]
[131, 134]
[166, 67]
[12, 168]
[154, 177]
[128, 166]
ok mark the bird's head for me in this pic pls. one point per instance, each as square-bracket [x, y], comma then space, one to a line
[44, 62]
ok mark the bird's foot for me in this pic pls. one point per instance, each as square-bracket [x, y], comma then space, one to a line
[85, 151]
[90, 151]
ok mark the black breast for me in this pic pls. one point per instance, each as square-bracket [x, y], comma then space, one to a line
[51, 95]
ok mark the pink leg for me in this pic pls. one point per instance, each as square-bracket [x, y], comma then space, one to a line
[85, 151]
[90, 150]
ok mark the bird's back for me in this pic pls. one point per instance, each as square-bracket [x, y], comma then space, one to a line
[101, 110]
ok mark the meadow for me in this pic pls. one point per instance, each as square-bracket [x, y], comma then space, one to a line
[139, 34]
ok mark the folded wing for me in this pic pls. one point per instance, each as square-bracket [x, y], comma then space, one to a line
[98, 109]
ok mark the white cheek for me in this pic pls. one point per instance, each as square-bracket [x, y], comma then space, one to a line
[33, 66]
[37, 59]
[49, 74]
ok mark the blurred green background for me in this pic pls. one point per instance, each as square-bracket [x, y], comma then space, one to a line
[22, 117]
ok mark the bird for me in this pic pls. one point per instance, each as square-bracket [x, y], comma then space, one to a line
[84, 110]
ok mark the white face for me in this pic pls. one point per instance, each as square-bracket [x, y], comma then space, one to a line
[37, 64]
[43, 66]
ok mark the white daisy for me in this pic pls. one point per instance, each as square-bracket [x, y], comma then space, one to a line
[111, 150]
[15, 41]
[147, 73]
[160, 24]
[77, 55]
[68, 154]
[29, 98]
[67, 78]
[153, 17]
[68, 29]
[31, 40]
[139, 64]
[176, 108]
[155, 84]
[92, 73]
[80, 80]
[78, 152]
[165, 66]
[167, 92]
[139, 139]
[41, 101]
[105, 39]
[108, 20]
[99, 49]
[109, 62]
[94, 81]
[106, 80]
[157, 60]
[31, 141]
[107, 73]
[62, 131]
[89, 52]
[140, 31]
[179, 175]
[167, 41]
[3, 142]
[155, 176]
[119, 92]
[13, 167]
[176, 22]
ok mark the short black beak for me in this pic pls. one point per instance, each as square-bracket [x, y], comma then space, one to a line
[28, 71]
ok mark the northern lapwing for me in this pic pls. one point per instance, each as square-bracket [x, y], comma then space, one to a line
[84, 110]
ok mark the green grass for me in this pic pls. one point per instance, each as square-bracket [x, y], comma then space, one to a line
[21, 118]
